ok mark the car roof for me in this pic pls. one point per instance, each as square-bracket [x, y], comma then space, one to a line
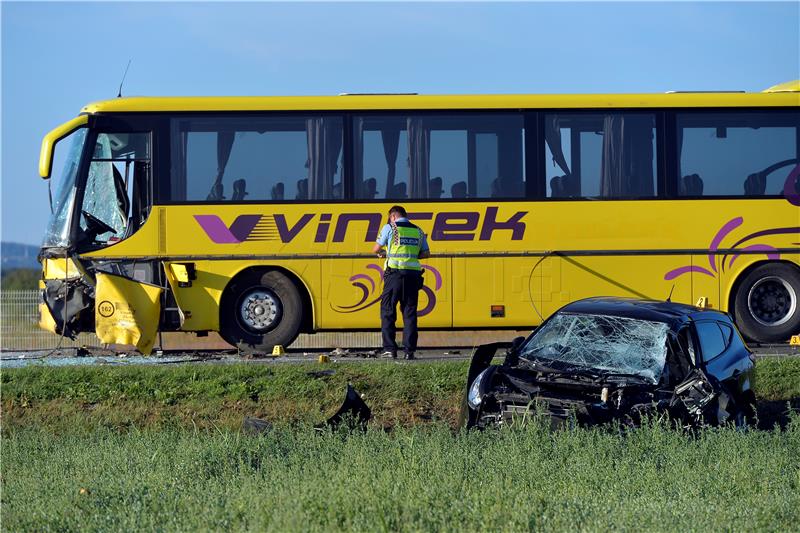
[653, 310]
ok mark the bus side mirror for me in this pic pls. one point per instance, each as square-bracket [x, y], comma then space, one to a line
[50, 140]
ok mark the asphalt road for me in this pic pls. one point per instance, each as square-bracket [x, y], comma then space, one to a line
[74, 357]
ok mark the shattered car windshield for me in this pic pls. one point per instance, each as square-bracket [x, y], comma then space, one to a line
[602, 343]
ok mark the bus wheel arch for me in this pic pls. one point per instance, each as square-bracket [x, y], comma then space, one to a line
[765, 301]
[262, 307]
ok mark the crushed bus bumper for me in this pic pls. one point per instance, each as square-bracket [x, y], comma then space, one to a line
[66, 307]
[46, 320]
[127, 311]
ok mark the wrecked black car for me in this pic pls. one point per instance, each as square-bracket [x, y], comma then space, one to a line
[603, 360]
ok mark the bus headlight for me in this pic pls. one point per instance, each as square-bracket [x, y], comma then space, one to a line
[474, 397]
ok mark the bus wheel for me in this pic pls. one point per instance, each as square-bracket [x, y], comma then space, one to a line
[766, 306]
[259, 310]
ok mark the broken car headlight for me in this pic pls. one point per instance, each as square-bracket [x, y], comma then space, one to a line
[474, 397]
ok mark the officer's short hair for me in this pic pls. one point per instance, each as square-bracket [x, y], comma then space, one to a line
[400, 210]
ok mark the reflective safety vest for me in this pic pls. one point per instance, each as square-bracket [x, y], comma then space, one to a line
[402, 252]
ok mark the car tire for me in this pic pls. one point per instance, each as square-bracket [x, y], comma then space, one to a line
[767, 303]
[260, 310]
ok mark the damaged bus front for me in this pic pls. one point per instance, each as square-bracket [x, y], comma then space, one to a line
[604, 359]
[100, 197]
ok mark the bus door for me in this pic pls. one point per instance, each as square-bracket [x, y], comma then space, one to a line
[116, 196]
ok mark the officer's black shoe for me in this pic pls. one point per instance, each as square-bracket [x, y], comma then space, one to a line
[410, 356]
[388, 354]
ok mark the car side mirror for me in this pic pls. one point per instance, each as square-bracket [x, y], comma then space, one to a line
[516, 343]
[512, 354]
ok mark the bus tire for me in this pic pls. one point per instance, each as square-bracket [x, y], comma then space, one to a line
[766, 306]
[260, 310]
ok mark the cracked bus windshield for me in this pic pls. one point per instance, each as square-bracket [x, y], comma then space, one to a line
[57, 233]
[608, 344]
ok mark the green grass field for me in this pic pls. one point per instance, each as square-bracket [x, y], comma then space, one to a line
[144, 448]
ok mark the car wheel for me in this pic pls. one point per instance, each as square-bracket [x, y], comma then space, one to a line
[260, 310]
[766, 306]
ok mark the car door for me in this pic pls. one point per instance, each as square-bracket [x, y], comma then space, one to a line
[722, 354]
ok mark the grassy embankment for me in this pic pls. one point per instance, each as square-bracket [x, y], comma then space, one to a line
[218, 396]
[117, 449]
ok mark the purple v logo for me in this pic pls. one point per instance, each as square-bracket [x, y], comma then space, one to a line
[222, 234]
[251, 228]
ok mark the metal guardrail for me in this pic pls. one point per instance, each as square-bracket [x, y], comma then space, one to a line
[19, 330]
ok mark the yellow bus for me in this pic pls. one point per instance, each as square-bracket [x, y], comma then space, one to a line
[255, 216]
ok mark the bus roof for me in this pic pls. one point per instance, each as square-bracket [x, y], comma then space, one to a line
[140, 104]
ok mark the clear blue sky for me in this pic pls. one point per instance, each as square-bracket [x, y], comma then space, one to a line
[56, 57]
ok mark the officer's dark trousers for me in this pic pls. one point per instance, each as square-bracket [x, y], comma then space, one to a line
[400, 286]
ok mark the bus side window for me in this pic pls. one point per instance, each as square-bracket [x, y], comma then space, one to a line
[439, 156]
[737, 153]
[247, 158]
[600, 155]
[277, 191]
[459, 190]
[691, 185]
[239, 190]
[302, 189]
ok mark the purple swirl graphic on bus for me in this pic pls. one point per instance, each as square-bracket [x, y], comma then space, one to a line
[371, 290]
[791, 188]
[734, 251]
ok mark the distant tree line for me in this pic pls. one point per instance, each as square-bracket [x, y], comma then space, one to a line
[20, 279]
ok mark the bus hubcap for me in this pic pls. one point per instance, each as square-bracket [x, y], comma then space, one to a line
[259, 309]
[772, 301]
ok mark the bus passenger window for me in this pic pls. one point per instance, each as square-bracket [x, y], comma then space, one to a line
[398, 192]
[596, 155]
[435, 189]
[691, 185]
[247, 158]
[459, 190]
[369, 189]
[239, 190]
[302, 189]
[736, 153]
[277, 191]
[432, 156]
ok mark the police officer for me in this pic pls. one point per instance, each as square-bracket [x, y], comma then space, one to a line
[402, 279]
